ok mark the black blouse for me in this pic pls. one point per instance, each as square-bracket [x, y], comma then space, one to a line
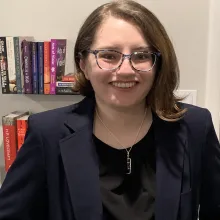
[128, 196]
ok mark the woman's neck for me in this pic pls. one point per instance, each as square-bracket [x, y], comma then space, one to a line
[117, 118]
[125, 126]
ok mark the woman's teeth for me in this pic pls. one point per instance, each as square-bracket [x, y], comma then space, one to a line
[123, 84]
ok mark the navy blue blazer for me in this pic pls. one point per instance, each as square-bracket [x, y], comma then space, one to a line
[56, 173]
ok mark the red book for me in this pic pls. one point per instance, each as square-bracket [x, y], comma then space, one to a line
[22, 125]
[68, 78]
[10, 136]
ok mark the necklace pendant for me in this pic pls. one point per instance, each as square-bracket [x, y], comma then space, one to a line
[128, 164]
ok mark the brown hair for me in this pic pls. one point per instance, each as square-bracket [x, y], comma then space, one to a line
[161, 97]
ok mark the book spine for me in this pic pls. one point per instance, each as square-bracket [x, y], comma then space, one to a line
[27, 67]
[4, 66]
[68, 78]
[46, 67]
[21, 64]
[11, 64]
[65, 91]
[65, 84]
[21, 131]
[10, 148]
[61, 61]
[17, 65]
[53, 67]
[35, 68]
[41, 66]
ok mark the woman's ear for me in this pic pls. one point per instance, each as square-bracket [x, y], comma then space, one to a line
[82, 65]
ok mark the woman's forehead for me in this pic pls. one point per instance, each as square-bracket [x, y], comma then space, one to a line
[115, 33]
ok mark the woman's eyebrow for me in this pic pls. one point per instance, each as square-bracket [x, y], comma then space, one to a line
[141, 48]
[120, 48]
[108, 48]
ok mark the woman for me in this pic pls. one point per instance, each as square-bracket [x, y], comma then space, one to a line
[130, 149]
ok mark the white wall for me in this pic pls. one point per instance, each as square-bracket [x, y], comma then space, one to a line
[195, 32]
[212, 98]
[187, 23]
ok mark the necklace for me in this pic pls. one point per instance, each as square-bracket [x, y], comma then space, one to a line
[114, 136]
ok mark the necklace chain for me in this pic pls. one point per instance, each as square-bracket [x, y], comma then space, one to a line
[115, 137]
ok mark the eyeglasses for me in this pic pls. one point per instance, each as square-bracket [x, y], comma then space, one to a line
[110, 59]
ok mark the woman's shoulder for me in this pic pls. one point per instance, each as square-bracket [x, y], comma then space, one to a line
[196, 116]
[194, 111]
[51, 119]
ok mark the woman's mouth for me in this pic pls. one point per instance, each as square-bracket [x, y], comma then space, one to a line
[124, 84]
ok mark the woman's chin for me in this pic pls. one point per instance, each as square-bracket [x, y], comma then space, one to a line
[120, 101]
[123, 103]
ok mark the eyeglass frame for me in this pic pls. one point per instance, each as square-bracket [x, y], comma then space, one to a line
[124, 56]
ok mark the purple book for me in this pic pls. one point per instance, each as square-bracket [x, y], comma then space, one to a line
[53, 67]
[58, 60]
[26, 55]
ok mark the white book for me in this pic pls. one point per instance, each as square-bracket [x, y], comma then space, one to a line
[11, 64]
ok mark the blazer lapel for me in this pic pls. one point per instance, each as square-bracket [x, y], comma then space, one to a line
[81, 163]
[170, 138]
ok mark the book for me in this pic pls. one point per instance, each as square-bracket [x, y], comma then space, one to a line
[18, 62]
[53, 67]
[65, 84]
[58, 61]
[27, 66]
[41, 66]
[59, 68]
[4, 66]
[18, 66]
[65, 91]
[47, 67]
[35, 68]
[10, 136]
[11, 64]
[22, 126]
[68, 78]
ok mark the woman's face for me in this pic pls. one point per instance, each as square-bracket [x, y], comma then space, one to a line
[122, 87]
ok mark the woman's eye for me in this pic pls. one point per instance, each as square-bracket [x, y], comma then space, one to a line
[109, 57]
[142, 56]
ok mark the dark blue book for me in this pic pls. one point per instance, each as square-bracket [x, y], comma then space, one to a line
[35, 68]
[40, 49]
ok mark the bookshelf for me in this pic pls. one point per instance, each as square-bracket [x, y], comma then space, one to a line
[33, 103]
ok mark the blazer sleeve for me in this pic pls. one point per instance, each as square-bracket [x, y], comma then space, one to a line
[22, 195]
[210, 185]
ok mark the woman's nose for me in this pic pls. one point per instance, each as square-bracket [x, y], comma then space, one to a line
[126, 67]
